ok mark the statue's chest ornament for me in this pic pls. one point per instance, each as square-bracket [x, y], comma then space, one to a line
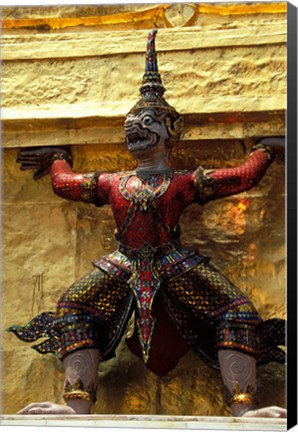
[143, 193]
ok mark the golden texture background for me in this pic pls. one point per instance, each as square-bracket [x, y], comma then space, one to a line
[228, 80]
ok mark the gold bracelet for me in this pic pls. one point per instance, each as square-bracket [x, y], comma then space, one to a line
[263, 148]
[76, 394]
[243, 398]
[76, 391]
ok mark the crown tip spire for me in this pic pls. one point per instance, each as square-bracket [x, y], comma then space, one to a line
[150, 49]
[151, 78]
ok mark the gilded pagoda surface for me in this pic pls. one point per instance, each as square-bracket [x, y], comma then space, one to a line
[225, 69]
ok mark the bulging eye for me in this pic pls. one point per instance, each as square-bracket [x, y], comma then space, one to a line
[147, 120]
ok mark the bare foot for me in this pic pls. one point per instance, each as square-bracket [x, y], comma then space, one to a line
[46, 408]
[273, 411]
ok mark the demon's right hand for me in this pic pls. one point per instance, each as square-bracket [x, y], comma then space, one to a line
[41, 159]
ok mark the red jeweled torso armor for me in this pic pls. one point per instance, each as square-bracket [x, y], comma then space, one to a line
[147, 212]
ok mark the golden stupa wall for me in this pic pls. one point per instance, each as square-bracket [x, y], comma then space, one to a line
[70, 74]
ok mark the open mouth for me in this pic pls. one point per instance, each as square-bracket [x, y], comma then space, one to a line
[138, 138]
[134, 138]
[136, 142]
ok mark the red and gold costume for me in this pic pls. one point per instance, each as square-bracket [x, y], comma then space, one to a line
[179, 299]
[152, 274]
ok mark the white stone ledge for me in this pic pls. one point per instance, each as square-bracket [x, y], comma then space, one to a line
[148, 422]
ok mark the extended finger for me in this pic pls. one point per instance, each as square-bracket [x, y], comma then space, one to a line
[29, 162]
[24, 167]
[39, 174]
[30, 151]
[22, 158]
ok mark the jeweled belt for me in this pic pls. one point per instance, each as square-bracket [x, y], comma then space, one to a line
[147, 251]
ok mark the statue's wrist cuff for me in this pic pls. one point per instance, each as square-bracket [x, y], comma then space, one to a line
[76, 394]
[263, 148]
[62, 156]
[77, 391]
[243, 398]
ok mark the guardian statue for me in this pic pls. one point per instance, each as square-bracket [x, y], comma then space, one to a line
[179, 298]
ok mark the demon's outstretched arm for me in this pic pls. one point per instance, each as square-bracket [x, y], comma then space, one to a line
[72, 186]
[219, 183]
[66, 184]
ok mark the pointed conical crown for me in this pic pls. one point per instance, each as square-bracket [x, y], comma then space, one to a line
[152, 89]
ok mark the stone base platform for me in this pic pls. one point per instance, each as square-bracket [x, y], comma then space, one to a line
[148, 422]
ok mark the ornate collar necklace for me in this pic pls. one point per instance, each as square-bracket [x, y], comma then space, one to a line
[146, 193]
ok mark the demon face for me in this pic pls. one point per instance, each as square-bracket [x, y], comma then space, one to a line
[145, 129]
